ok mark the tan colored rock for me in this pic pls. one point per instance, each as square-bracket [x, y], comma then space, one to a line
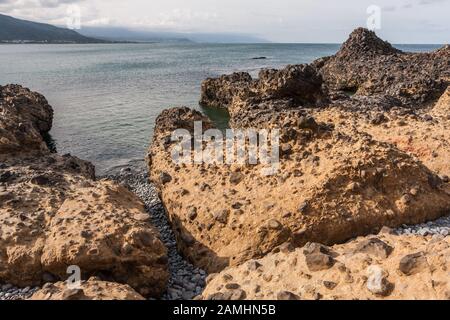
[54, 214]
[220, 92]
[355, 275]
[332, 187]
[424, 135]
[92, 289]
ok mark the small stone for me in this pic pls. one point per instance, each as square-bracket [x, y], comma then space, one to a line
[227, 277]
[253, 265]
[375, 247]
[308, 123]
[236, 178]
[287, 296]
[313, 247]
[232, 286]
[319, 261]
[330, 285]
[412, 264]
[222, 216]
[303, 208]
[192, 215]
[238, 294]
[285, 149]
[377, 281]
[165, 178]
[274, 224]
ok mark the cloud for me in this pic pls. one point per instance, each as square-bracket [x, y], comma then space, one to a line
[389, 8]
[427, 2]
[178, 19]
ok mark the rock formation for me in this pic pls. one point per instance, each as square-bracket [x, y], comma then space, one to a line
[220, 92]
[330, 187]
[369, 66]
[54, 214]
[93, 289]
[368, 268]
[423, 134]
[25, 117]
[337, 179]
[367, 73]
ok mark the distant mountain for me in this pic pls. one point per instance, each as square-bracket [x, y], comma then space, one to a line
[16, 30]
[135, 35]
[125, 34]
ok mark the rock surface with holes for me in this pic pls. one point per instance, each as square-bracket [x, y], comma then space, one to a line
[55, 214]
[329, 188]
[416, 268]
[93, 289]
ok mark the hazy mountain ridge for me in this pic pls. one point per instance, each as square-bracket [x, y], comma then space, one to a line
[136, 35]
[16, 30]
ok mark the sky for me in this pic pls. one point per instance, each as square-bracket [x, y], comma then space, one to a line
[317, 21]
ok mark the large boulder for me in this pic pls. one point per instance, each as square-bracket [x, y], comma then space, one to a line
[371, 268]
[25, 117]
[93, 289]
[329, 188]
[55, 214]
[423, 134]
[219, 92]
[299, 83]
[369, 66]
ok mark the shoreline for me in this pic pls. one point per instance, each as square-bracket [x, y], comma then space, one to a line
[360, 205]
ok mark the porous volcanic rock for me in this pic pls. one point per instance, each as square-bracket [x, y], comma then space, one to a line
[219, 92]
[367, 73]
[369, 66]
[54, 214]
[417, 268]
[329, 188]
[25, 116]
[93, 289]
[301, 84]
[423, 133]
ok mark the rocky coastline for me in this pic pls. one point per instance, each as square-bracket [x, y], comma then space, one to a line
[360, 208]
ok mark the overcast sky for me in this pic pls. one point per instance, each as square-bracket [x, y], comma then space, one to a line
[402, 21]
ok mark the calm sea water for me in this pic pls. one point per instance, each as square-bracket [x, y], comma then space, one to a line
[106, 97]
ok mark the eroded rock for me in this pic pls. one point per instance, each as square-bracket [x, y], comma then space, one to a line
[351, 277]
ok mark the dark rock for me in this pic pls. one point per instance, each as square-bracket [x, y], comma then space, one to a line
[236, 178]
[375, 247]
[412, 263]
[287, 296]
[40, 180]
[319, 261]
[165, 178]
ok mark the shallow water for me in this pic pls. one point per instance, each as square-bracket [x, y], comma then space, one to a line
[106, 97]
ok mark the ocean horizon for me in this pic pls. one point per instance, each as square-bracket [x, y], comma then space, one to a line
[106, 97]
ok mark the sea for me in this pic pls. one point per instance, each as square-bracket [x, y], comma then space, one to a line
[106, 97]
